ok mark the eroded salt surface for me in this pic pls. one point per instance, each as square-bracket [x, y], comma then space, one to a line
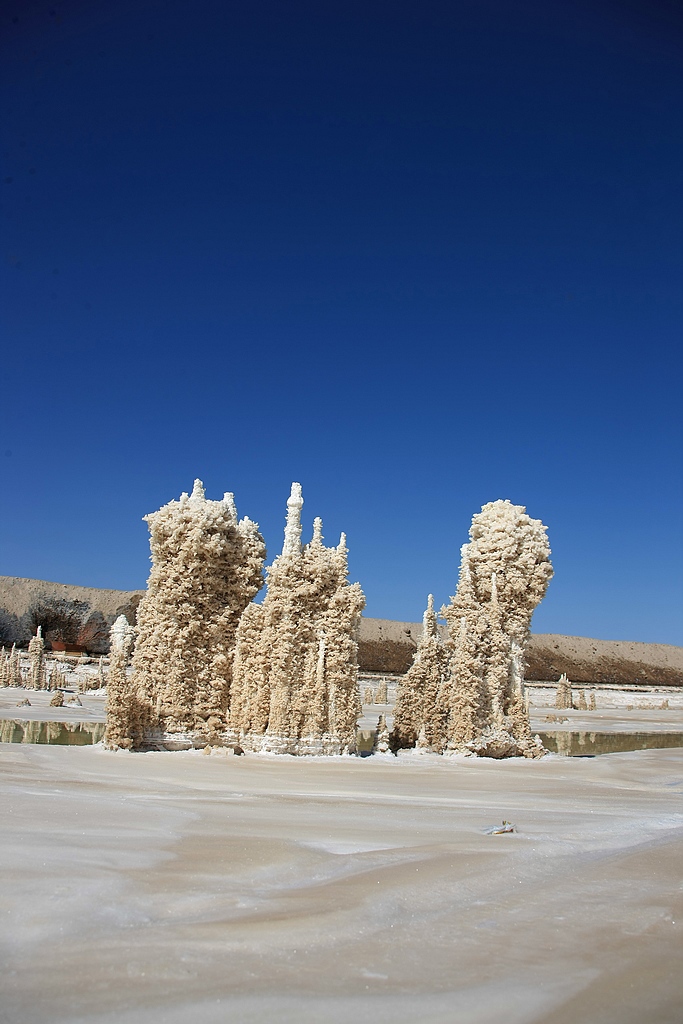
[167, 887]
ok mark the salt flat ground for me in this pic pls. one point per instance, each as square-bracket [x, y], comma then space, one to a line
[168, 887]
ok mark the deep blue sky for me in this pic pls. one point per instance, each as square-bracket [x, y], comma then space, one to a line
[417, 256]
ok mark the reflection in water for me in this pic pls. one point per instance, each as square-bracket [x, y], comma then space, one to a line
[587, 744]
[65, 733]
[562, 741]
[576, 744]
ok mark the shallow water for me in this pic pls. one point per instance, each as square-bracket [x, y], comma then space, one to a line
[588, 744]
[561, 741]
[77, 734]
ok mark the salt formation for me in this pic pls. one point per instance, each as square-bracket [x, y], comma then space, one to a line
[563, 696]
[123, 713]
[382, 741]
[418, 714]
[36, 654]
[206, 568]
[368, 696]
[296, 660]
[57, 700]
[57, 679]
[480, 705]
[592, 705]
[381, 696]
[15, 676]
[4, 668]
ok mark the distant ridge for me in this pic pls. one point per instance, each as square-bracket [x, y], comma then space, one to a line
[385, 645]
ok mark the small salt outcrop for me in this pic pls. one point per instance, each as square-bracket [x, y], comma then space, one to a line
[563, 696]
[57, 700]
[123, 716]
[15, 676]
[36, 654]
[382, 741]
[57, 680]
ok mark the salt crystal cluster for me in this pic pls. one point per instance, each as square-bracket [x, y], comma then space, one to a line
[212, 668]
[418, 713]
[563, 696]
[206, 568]
[125, 718]
[296, 669]
[36, 654]
[467, 694]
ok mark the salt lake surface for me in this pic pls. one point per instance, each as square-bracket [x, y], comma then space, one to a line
[164, 887]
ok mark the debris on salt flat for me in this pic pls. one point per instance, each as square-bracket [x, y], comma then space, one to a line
[500, 830]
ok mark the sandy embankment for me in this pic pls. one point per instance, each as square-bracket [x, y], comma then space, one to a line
[174, 887]
[388, 647]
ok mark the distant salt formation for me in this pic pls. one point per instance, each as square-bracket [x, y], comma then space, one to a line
[14, 669]
[57, 679]
[206, 568]
[36, 654]
[563, 697]
[381, 695]
[295, 671]
[480, 706]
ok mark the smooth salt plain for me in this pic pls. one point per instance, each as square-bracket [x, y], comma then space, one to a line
[167, 887]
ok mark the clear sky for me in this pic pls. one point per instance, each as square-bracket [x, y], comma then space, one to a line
[417, 256]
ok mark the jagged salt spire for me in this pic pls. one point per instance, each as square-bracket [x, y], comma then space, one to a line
[295, 502]
[229, 500]
[342, 555]
[198, 492]
[120, 632]
[317, 531]
[429, 617]
[465, 561]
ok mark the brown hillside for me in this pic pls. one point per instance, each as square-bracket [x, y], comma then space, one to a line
[385, 645]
